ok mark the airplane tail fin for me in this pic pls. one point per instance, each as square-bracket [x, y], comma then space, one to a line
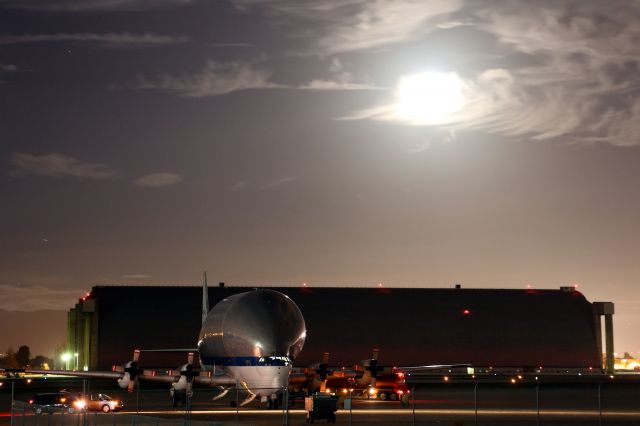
[205, 298]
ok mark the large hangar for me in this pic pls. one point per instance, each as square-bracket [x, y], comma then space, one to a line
[410, 326]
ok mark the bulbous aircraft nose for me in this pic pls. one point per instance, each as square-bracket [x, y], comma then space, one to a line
[259, 323]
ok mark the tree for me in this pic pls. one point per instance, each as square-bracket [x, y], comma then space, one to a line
[9, 360]
[39, 361]
[23, 356]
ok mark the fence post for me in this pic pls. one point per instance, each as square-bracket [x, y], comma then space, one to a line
[13, 384]
[475, 402]
[413, 410]
[537, 403]
[350, 405]
[237, 402]
[600, 403]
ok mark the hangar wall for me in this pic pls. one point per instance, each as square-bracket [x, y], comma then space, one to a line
[411, 326]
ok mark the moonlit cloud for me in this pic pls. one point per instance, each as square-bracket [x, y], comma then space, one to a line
[59, 165]
[341, 79]
[215, 78]
[580, 84]
[34, 298]
[107, 40]
[158, 179]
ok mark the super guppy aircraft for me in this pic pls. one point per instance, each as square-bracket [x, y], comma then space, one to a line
[249, 340]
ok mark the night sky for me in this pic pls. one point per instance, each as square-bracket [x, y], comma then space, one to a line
[410, 143]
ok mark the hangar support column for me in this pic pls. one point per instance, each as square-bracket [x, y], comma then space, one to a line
[607, 310]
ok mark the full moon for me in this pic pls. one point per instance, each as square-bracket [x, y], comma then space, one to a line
[429, 98]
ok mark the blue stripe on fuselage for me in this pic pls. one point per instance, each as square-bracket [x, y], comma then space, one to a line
[246, 361]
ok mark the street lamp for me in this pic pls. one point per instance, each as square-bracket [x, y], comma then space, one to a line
[65, 358]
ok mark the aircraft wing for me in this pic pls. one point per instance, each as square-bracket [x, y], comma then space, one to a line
[87, 374]
[414, 368]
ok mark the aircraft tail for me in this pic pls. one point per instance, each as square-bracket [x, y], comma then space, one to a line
[205, 298]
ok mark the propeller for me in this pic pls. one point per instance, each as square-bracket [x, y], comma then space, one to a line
[323, 371]
[373, 366]
[131, 372]
[185, 374]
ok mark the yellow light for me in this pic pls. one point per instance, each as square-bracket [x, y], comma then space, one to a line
[344, 391]
[519, 377]
[28, 381]
[63, 399]
[328, 390]
[80, 404]
[372, 391]
[445, 378]
[513, 380]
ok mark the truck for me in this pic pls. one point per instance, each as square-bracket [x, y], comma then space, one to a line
[388, 386]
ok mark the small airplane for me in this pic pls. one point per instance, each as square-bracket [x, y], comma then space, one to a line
[248, 340]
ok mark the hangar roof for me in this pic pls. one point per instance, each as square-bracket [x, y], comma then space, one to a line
[411, 326]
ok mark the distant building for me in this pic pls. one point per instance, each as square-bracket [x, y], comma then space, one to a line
[411, 326]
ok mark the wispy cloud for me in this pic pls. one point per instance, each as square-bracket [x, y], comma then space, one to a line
[8, 68]
[216, 78]
[341, 79]
[34, 298]
[106, 40]
[137, 276]
[278, 182]
[351, 25]
[238, 186]
[90, 5]
[58, 165]
[158, 179]
[220, 78]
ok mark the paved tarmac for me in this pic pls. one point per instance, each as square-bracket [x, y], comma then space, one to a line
[552, 402]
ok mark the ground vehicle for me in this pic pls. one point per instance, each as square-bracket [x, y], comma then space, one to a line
[103, 402]
[321, 406]
[58, 401]
[390, 386]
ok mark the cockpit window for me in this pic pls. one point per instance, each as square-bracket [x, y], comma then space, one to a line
[274, 360]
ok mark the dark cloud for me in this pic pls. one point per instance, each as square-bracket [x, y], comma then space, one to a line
[109, 40]
[90, 5]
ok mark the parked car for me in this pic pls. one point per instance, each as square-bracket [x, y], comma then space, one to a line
[57, 401]
[103, 402]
